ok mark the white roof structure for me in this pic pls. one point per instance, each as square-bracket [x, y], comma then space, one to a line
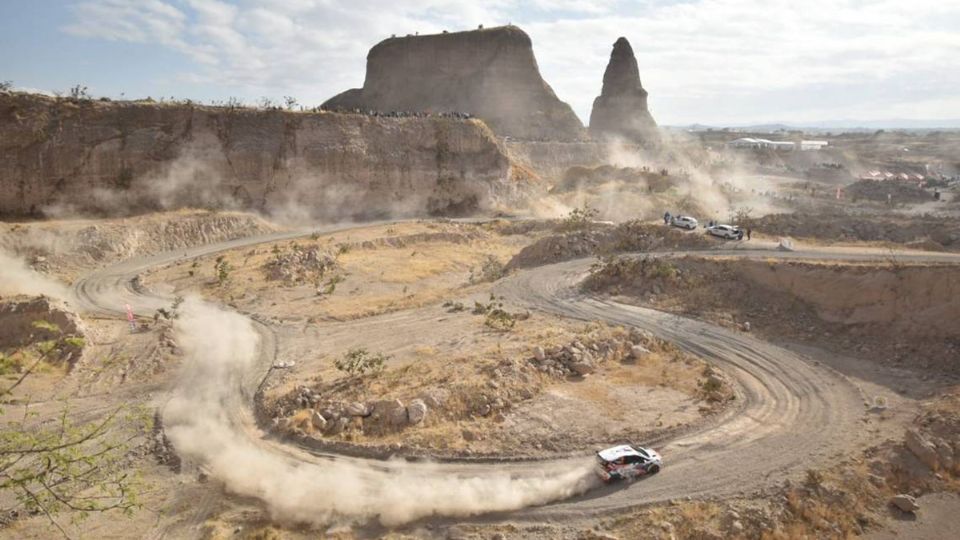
[813, 145]
[617, 452]
[750, 142]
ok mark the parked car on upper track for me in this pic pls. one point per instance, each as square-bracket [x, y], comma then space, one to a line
[625, 461]
[684, 222]
[728, 232]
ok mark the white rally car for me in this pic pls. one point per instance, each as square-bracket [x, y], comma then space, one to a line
[625, 461]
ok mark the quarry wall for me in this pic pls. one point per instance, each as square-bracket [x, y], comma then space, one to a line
[62, 156]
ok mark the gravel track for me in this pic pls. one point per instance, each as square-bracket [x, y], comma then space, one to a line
[791, 414]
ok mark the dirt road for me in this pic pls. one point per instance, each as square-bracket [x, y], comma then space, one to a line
[791, 414]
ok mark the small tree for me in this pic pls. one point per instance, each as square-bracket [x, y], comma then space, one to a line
[5, 86]
[359, 361]
[222, 269]
[491, 269]
[579, 219]
[63, 466]
[290, 102]
[79, 92]
[742, 217]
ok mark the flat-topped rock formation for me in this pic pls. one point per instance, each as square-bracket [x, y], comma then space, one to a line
[491, 74]
[621, 108]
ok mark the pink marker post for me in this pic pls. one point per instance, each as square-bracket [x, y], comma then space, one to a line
[131, 319]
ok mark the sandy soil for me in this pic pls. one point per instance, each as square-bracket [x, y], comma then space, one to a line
[394, 278]
[657, 394]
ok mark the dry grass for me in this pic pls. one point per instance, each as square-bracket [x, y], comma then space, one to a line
[375, 277]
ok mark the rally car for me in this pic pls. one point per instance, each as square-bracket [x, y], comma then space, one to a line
[625, 461]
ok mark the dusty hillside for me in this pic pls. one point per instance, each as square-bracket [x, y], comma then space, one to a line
[490, 73]
[123, 157]
[931, 233]
[62, 248]
[888, 313]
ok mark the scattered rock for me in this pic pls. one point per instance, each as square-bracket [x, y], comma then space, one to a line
[539, 354]
[638, 352]
[582, 368]
[905, 503]
[318, 421]
[416, 411]
[357, 409]
[946, 455]
[923, 449]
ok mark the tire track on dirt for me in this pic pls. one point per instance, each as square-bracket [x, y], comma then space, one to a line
[791, 413]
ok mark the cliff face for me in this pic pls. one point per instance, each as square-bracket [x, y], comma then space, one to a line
[621, 107]
[491, 74]
[119, 158]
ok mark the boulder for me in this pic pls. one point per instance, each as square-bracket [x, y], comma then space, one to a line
[398, 415]
[434, 398]
[582, 368]
[539, 354]
[389, 411]
[416, 411]
[638, 352]
[318, 421]
[905, 503]
[923, 449]
[357, 409]
[946, 455]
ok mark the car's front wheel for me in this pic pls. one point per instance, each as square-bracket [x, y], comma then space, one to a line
[654, 469]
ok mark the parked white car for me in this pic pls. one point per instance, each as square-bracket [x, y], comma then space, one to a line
[728, 232]
[684, 222]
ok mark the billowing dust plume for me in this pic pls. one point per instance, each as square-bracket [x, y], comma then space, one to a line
[16, 277]
[204, 421]
[706, 183]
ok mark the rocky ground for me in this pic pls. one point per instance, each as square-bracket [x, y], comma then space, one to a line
[891, 313]
[486, 379]
[577, 388]
[475, 383]
[931, 233]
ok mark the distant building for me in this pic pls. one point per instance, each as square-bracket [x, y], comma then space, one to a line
[813, 145]
[750, 142]
[787, 146]
[884, 176]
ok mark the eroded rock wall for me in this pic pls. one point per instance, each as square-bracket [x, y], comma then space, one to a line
[489, 73]
[119, 158]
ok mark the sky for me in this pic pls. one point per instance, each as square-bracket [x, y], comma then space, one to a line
[715, 62]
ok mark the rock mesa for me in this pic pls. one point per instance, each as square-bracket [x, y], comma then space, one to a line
[491, 74]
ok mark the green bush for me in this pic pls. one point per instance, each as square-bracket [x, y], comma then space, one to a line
[359, 361]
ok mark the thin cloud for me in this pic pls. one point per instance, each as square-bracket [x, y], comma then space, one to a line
[701, 60]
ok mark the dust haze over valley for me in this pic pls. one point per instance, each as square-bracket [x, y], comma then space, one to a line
[420, 307]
